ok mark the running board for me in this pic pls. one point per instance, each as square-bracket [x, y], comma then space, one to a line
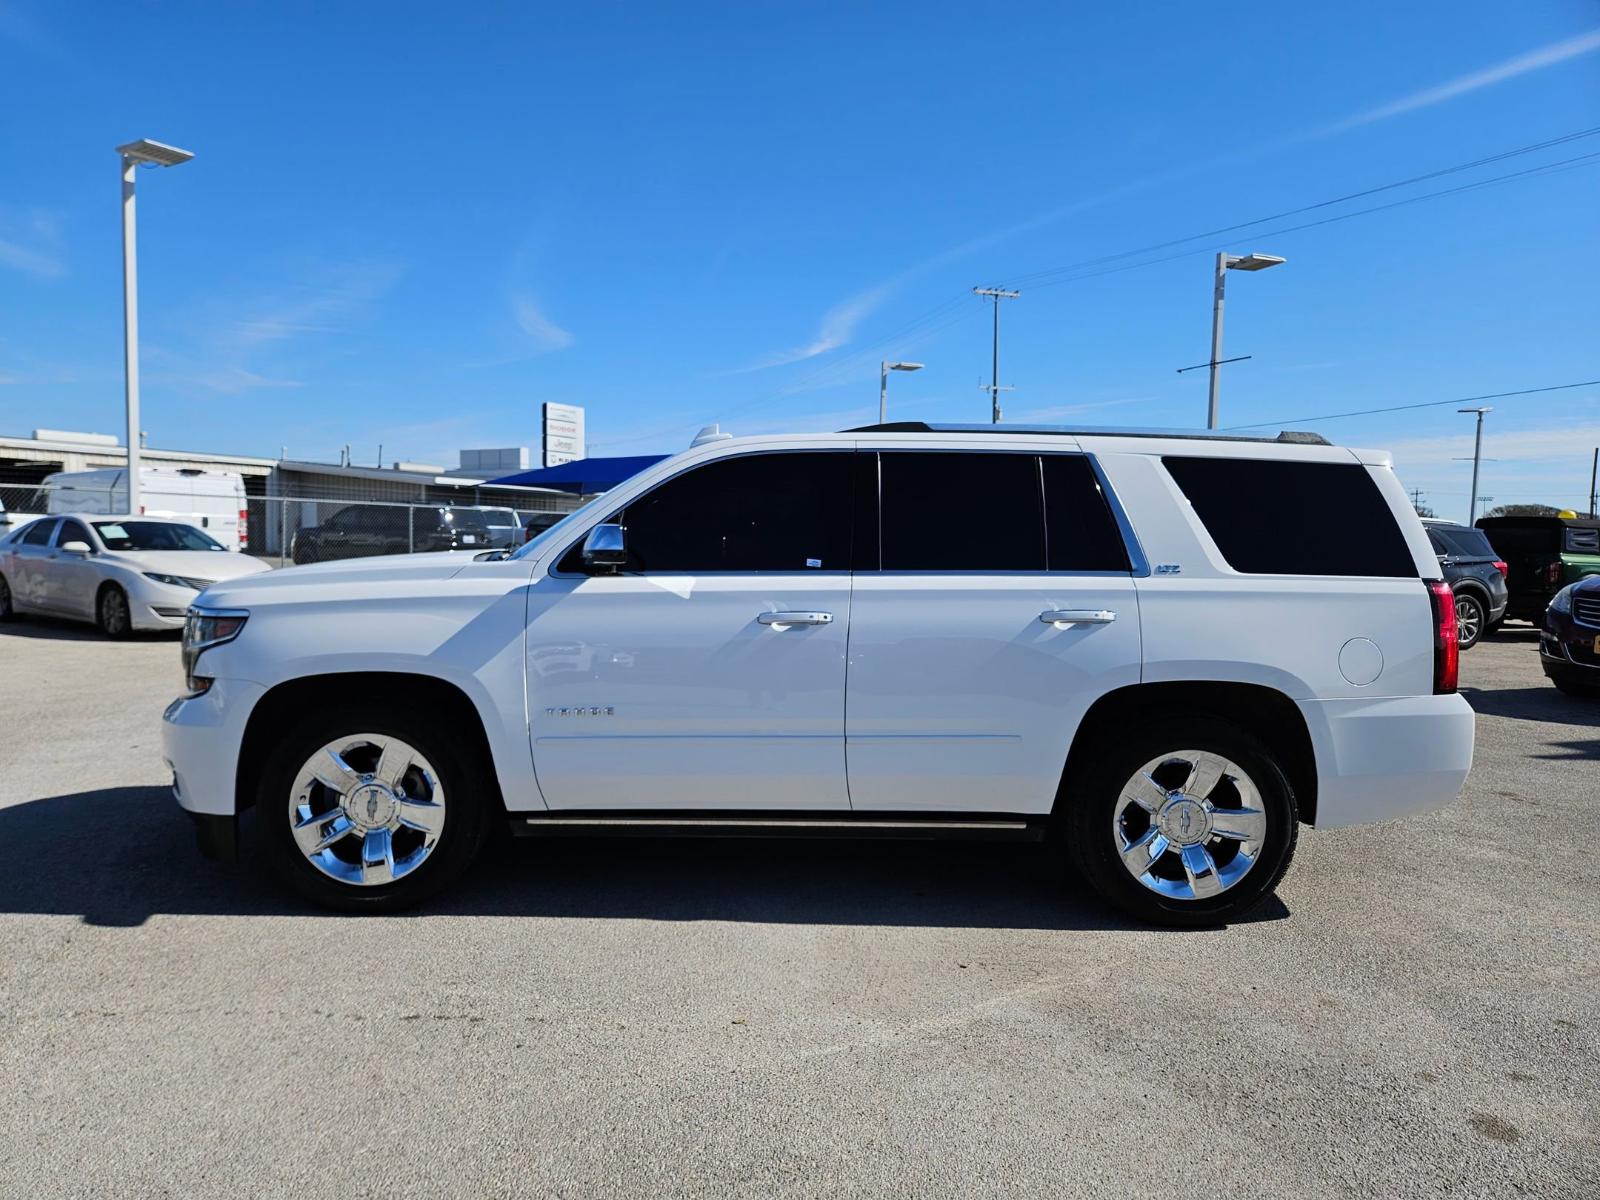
[921, 826]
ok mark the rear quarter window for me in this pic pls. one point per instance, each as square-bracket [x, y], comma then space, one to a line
[1276, 517]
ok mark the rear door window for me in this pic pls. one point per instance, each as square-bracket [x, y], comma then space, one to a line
[1467, 543]
[961, 511]
[38, 533]
[1277, 517]
[1080, 532]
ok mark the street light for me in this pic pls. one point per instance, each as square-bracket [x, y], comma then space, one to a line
[1226, 263]
[883, 384]
[1477, 457]
[148, 153]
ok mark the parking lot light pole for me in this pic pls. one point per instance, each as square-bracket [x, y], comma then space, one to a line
[1477, 457]
[144, 151]
[883, 384]
[1226, 263]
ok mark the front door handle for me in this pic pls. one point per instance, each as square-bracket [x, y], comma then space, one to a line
[795, 618]
[1077, 616]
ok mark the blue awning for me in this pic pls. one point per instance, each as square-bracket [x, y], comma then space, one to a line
[585, 476]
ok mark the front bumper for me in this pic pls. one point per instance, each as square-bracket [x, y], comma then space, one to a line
[200, 740]
[1380, 759]
[1569, 651]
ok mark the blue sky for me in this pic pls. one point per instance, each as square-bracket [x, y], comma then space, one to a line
[410, 224]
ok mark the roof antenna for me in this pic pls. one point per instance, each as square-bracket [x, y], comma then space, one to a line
[711, 433]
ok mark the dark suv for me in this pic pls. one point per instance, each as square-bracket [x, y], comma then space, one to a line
[365, 530]
[1475, 574]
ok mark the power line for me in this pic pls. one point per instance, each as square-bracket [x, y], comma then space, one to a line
[1367, 412]
[1546, 168]
[1294, 212]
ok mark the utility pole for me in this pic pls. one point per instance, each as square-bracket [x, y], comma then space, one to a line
[994, 389]
[1416, 497]
[1477, 457]
[1594, 469]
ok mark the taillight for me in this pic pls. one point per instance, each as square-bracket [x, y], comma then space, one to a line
[1505, 571]
[1552, 573]
[1446, 638]
[244, 528]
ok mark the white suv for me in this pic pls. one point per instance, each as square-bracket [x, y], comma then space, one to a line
[1123, 643]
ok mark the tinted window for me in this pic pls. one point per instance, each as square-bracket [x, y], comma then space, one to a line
[961, 511]
[38, 533]
[72, 531]
[1464, 542]
[1523, 537]
[759, 512]
[1080, 532]
[1271, 517]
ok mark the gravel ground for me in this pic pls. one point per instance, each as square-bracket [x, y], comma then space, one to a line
[1419, 1015]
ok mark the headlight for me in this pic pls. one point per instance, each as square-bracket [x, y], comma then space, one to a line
[1562, 601]
[202, 629]
[182, 581]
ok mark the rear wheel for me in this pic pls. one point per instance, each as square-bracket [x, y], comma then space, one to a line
[8, 611]
[1472, 618]
[111, 612]
[1189, 822]
[367, 810]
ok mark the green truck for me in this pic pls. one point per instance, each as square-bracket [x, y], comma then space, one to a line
[1543, 555]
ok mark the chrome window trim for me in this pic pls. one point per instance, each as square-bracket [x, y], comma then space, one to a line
[1139, 565]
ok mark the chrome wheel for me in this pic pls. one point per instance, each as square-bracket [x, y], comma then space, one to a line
[1469, 620]
[366, 809]
[1189, 825]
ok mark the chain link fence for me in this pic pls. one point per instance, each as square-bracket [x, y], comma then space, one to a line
[291, 530]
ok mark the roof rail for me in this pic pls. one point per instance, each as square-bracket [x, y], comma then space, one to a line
[1287, 436]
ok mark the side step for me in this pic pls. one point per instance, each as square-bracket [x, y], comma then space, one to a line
[921, 826]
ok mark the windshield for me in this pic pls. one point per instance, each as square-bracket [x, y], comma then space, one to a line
[537, 546]
[153, 535]
[499, 516]
[466, 518]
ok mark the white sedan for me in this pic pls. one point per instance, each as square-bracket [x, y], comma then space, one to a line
[122, 573]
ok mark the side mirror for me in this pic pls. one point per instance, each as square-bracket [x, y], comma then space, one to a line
[75, 547]
[605, 549]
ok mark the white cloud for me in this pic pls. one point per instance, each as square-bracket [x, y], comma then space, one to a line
[837, 328]
[1559, 443]
[544, 333]
[1522, 64]
[34, 262]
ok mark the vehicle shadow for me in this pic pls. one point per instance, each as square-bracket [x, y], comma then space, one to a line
[152, 867]
[1545, 705]
[58, 630]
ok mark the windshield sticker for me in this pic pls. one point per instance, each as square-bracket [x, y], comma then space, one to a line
[815, 563]
[112, 531]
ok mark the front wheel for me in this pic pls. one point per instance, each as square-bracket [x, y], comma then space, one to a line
[1190, 822]
[368, 810]
[111, 612]
[1471, 619]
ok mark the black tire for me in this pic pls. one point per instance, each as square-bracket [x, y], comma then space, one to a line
[470, 805]
[1086, 813]
[8, 611]
[1569, 687]
[112, 614]
[1471, 614]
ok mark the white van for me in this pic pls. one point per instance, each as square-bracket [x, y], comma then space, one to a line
[210, 500]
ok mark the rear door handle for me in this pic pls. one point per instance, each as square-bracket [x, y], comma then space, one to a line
[795, 618]
[1077, 616]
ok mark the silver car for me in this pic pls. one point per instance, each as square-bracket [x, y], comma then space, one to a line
[122, 573]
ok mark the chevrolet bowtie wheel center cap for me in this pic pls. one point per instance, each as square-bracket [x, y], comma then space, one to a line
[1184, 822]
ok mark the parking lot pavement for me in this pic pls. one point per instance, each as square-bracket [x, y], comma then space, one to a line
[1420, 1015]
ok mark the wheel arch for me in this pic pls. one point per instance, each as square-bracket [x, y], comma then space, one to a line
[1263, 712]
[283, 704]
